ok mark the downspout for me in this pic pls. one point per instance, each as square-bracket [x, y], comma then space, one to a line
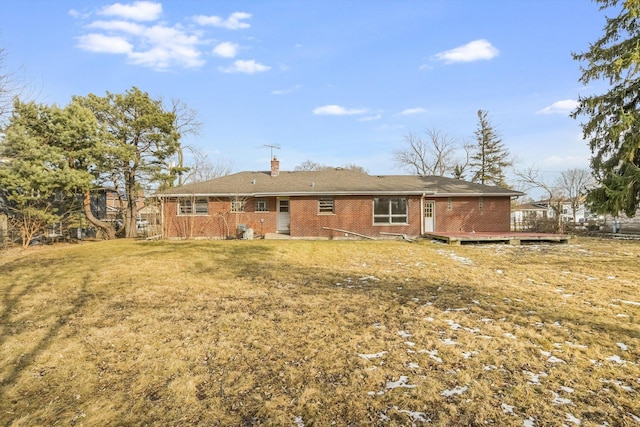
[422, 213]
[162, 224]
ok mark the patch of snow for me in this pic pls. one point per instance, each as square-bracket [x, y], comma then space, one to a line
[529, 422]
[404, 334]
[574, 345]
[449, 341]
[453, 325]
[468, 354]
[401, 383]
[298, 421]
[365, 278]
[429, 319]
[557, 400]
[567, 389]
[509, 335]
[507, 409]
[475, 301]
[554, 359]
[545, 353]
[454, 391]
[410, 343]
[615, 358]
[533, 377]
[415, 416]
[453, 256]
[572, 419]
[413, 365]
[486, 320]
[622, 315]
[499, 272]
[626, 302]
[433, 354]
[372, 355]
[490, 367]
[622, 346]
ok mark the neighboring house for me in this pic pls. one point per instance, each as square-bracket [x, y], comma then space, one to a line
[542, 209]
[107, 205]
[332, 204]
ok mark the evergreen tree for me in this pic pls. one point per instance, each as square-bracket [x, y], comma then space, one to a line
[40, 176]
[141, 137]
[613, 118]
[490, 157]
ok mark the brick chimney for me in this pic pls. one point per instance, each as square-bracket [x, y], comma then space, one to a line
[275, 166]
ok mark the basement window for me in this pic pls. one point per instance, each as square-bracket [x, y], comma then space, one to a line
[193, 206]
[449, 204]
[325, 205]
[480, 202]
[390, 210]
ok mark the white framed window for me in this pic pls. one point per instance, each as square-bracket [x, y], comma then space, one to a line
[390, 210]
[237, 205]
[193, 206]
[262, 206]
[325, 205]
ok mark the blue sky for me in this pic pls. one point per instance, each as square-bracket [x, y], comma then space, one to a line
[334, 82]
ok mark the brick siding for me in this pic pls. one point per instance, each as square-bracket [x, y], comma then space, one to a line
[351, 213]
[466, 214]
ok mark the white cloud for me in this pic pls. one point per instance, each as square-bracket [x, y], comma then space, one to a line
[370, 118]
[560, 107]
[226, 49]
[118, 26]
[568, 161]
[286, 91]
[233, 22]
[104, 44]
[337, 110]
[246, 67]
[473, 51]
[159, 45]
[410, 111]
[137, 11]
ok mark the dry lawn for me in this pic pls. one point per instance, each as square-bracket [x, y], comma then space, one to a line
[293, 333]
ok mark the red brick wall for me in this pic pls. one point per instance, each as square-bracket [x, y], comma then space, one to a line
[351, 213]
[220, 221]
[466, 215]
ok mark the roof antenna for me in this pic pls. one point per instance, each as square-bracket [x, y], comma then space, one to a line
[276, 146]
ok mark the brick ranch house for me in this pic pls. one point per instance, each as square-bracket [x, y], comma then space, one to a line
[332, 204]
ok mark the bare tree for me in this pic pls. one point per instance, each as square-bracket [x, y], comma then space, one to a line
[531, 179]
[9, 87]
[310, 165]
[575, 183]
[203, 169]
[462, 165]
[430, 156]
[186, 123]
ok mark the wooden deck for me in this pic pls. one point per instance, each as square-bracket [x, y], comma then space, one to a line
[512, 238]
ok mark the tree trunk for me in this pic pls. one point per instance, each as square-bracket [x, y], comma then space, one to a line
[131, 213]
[105, 227]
